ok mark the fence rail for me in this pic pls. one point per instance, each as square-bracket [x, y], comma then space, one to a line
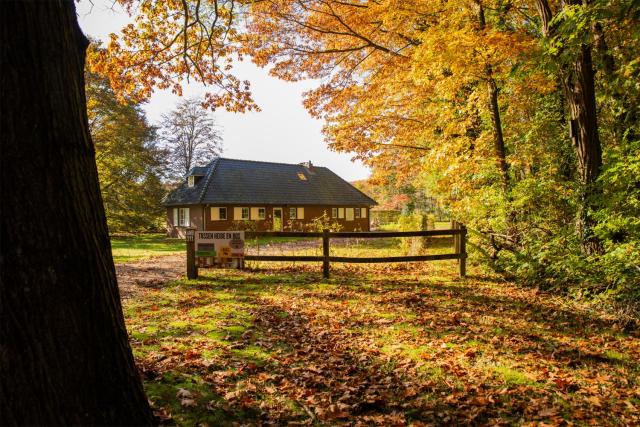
[457, 231]
[353, 234]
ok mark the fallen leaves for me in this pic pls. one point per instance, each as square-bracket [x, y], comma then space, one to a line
[186, 398]
[361, 351]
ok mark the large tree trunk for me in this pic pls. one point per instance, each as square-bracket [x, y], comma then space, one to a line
[580, 92]
[579, 89]
[64, 351]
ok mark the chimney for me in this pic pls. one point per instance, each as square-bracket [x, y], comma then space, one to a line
[307, 165]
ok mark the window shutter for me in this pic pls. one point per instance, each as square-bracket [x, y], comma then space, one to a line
[175, 216]
[300, 213]
[363, 212]
[254, 214]
[341, 213]
[187, 219]
[215, 214]
[237, 214]
[350, 214]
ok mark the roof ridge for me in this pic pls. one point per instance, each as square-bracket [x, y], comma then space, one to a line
[205, 187]
[269, 163]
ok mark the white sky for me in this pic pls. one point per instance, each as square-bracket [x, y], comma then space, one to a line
[282, 132]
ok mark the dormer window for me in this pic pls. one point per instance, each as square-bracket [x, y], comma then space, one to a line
[191, 181]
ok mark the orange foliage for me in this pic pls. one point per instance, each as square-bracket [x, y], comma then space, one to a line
[172, 40]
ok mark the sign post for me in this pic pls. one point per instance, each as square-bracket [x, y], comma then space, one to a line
[192, 268]
[219, 249]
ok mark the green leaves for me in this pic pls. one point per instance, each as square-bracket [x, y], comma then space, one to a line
[130, 165]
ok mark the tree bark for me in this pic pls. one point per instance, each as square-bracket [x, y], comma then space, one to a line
[579, 89]
[494, 110]
[498, 137]
[64, 352]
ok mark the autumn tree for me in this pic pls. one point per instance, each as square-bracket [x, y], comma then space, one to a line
[492, 105]
[190, 136]
[402, 81]
[131, 165]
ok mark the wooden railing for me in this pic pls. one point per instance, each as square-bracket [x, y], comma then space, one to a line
[458, 231]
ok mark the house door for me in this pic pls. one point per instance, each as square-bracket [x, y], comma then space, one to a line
[277, 219]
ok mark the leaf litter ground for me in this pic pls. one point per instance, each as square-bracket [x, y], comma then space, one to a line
[404, 344]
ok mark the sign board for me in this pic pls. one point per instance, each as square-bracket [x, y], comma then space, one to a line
[220, 249]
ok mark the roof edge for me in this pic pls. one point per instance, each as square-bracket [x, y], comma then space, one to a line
[205, 187]
[354, 187]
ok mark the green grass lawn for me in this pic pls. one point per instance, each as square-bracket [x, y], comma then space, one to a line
[136, 247]
[377, 345]
[439, 225]
[142, 246]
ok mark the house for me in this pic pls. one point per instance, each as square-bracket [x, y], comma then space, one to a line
[230, 194]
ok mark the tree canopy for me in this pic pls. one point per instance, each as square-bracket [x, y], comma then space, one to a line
[517, 114]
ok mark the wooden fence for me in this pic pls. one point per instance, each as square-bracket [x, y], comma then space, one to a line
[457, 231]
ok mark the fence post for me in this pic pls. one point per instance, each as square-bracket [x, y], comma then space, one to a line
[325, 253]
[192, 269]
[456, 237]
[463, 251]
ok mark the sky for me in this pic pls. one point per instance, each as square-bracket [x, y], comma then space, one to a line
[282, 132]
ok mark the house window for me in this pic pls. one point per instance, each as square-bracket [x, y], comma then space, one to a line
[191, 181]
[334, 212]
[240, 214]
[363, 212]
[357, 212]
[341, 213]
[349, 214]
[301, 176]
[293, 213]
[218, 214]
[182, 215]
[258, 213]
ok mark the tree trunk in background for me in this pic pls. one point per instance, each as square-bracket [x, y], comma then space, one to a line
[494, 109]
[64, 355]
[579, 89]
[498, 137]
[581, 98]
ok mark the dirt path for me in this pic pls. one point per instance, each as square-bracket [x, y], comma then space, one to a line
[149, 273]
[156, 271]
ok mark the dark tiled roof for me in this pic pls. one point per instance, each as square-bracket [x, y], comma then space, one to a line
[229, 181]
[183, 195]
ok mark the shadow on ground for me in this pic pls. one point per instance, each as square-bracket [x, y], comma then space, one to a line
[385, 345]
